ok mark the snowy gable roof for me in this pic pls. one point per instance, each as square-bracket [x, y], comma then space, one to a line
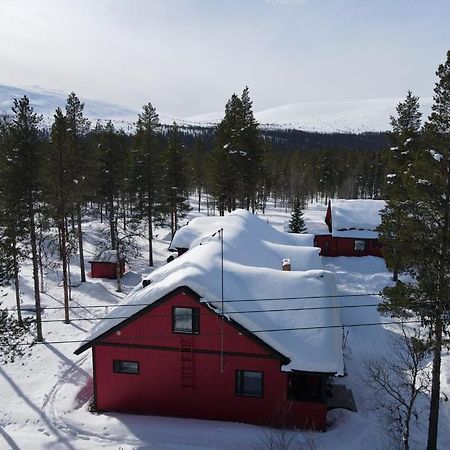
[356, 218]
[252, 270]
[107, 256]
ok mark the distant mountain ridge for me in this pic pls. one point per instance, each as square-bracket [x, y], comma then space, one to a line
[358, 116]
[45, 102]
[323, 117]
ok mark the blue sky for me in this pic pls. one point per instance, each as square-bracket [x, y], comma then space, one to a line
[188, 56]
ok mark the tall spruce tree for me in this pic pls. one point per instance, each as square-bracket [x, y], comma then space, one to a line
[24, 152]
[59, 191]
[147, 167]
[425, 208]
[237, 158]
[226, 158]
[113, 160]
[13, 226]
[297, 222]
[175, 189]
[78, 127]
[252, 152]
[406, 142]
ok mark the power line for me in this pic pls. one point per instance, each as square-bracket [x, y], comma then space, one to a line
[254, 311]
[243, 300]
[270, 330]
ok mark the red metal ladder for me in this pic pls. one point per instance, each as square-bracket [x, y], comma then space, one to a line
[187, 362]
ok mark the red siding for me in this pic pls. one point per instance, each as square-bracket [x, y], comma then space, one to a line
[160, 388]
[336, 246]
[106, 269]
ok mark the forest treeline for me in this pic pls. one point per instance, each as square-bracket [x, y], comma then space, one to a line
[52, 178]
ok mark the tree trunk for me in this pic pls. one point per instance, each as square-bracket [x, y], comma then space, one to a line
[112, 228]
[150, 236]
[119, 284]
[80, 245]
[199, 197]
[37, 296]
[433, 419]
[41, 268]
[62, 230]
[17, 286]
[435, 388]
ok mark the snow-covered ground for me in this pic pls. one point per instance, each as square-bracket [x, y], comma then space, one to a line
[45, 396]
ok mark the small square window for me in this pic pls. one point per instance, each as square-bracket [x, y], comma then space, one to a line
[249, 383]
[186, 320]
[120, 366]
[360, 245]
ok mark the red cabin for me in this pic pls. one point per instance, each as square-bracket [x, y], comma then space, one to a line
[104, 265]
[175, 348]
[181, 374]
[352, 228]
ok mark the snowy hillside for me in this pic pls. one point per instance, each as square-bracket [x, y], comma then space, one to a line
[325, 117]
[45, 102]
[354, 117]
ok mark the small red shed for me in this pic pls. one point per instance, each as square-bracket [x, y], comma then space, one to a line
[352, 228]
[104, 265]
[177, 347]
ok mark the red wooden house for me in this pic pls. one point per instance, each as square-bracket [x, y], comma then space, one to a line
[352, 228]
[104, 265]
[182, 351]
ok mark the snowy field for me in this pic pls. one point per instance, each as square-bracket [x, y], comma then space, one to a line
[45, 396]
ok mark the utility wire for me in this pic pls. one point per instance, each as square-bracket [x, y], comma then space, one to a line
[270, 330]
[254, 311]
[310, 297]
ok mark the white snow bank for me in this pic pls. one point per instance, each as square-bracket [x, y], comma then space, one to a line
[252, 270]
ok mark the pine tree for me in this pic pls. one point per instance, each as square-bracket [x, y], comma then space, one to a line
[424, 203]
[175, 190]
[12, 218]
[406, 139]
[113, 160]
[147, 168]
[198, 167]
[77, 129]
[237, 159]
[24, 153]
[297, 222]
[60, 189]
[252, 152]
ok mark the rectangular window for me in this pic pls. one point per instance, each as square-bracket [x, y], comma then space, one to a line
[120, 366]
[360, 245]
[249, 383]
[186, 320]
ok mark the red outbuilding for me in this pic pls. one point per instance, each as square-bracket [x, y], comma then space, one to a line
[352, 228]
[104, 265]
[200, 336]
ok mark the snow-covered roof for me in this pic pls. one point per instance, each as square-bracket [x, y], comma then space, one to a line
[253, 254]
[106, 256]
[206, 226]
[356, 218]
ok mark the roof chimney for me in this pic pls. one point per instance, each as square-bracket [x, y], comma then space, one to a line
[286, 267]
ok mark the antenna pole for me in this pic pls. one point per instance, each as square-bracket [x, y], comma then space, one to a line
[222, 321]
